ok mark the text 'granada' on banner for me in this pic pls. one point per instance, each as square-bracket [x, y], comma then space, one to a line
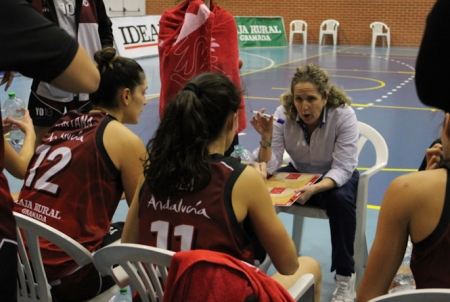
[261, 31]
[137, 36]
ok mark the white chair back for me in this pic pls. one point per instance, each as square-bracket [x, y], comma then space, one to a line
[298, 27]
[380, 29]
[328, 27]
[416, 295]
[142, 267]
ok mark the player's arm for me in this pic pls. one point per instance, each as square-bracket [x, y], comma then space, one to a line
[130, 232]
[17, 163]
[267, 225]
[128, 153]
[80, 76]
[8, 77]
[390, 241]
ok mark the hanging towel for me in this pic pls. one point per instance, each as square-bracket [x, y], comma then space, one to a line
[194, 39]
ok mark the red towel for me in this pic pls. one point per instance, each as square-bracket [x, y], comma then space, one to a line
[201, 275]
[192, 40]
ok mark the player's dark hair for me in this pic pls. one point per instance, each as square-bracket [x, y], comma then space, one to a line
[178, 155]
[116, 73]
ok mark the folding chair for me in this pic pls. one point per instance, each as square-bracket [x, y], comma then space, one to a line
[298, 27]
[328, 27]
[32, 281]
[380, 29]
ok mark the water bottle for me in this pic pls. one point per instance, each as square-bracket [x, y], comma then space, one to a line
[124, 295]
[15, 108]
[245, 155]
[404, 280]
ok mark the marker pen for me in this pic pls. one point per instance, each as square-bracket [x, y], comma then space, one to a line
[267, 116]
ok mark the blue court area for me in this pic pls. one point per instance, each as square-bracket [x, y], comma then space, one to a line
[381, 84]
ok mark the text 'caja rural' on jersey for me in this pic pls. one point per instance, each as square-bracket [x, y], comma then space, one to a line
[72, 185]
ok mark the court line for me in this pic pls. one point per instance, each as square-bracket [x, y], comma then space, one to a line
[362, 70]
[272, 62]
[353, 104]
[380, 56]
[392, 169]
[372, 207]
[289, 62]
[382, 84]
[151, 96]
[395, 107]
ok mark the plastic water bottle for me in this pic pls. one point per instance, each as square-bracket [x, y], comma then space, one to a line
[404, 280]
[245, 155]
[15, 108]
[124, 295]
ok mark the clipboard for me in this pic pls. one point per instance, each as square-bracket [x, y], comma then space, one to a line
[281, 186]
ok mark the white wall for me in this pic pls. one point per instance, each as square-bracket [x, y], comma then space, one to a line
[121, 8]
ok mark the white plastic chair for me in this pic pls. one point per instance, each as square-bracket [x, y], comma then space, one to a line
[416, 295]
[298, 27]
[32, 281]
[328, 27]
[145, 269]
[367, 133]
[380, 29]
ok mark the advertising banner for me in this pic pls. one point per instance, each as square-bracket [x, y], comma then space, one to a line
[137, 36]
[261, 31]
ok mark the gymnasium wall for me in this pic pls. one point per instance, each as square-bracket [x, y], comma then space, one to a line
[405, 18]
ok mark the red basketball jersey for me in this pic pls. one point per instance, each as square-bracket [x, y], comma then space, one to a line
[72, 185]
[429, 257]
[203, 219]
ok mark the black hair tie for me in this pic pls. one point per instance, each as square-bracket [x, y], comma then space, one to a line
[191, 87]
[444, 164]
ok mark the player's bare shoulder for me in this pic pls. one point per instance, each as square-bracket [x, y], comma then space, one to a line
[120, 133]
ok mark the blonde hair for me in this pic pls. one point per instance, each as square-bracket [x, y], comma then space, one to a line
[313, 74]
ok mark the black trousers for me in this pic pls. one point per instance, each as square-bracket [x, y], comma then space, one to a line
[8, 271]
